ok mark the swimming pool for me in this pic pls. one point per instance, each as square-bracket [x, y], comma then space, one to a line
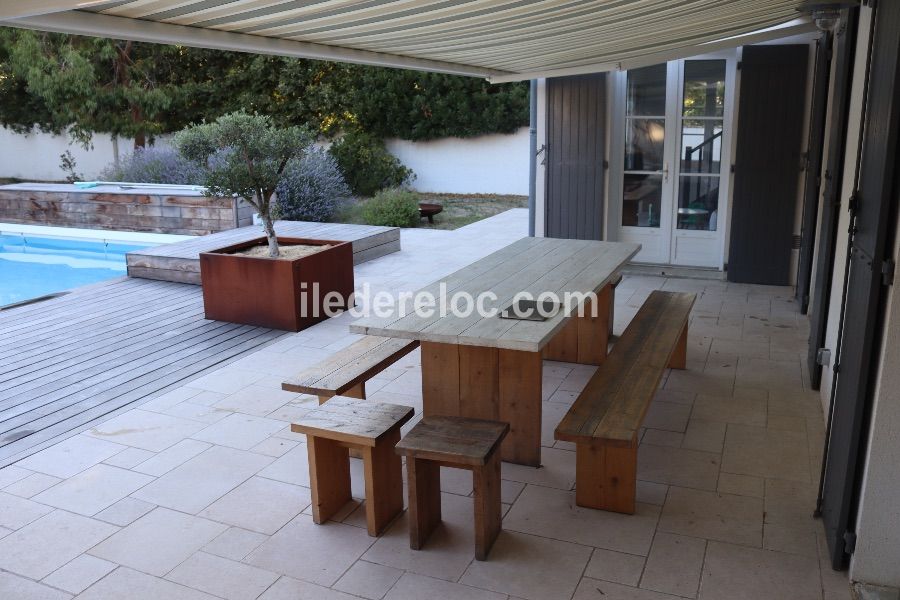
[32, 266]
[37, 260]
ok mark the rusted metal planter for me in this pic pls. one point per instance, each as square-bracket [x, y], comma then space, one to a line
[284, 294]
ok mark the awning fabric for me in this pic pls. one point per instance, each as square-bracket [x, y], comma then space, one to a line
[478, 37]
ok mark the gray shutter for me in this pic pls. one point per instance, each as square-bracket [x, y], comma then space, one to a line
[874, 216]
[576, 144]
[767, 163]
[812, 185]
[844, 51]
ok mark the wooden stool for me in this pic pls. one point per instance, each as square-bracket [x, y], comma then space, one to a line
[373, 429]
[460, 443]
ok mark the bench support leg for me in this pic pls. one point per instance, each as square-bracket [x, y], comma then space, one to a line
[384, 483]
[612, 305]
[606, 477]
[487, 505]
[679, 355]
[424, 481]
[357, 391]
[329, 477]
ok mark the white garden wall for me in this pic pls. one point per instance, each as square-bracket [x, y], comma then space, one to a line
[37, 156]
[488, 164]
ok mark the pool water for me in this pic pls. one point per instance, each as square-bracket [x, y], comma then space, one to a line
[33, 266]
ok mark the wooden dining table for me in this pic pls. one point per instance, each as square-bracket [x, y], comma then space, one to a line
[490, 367]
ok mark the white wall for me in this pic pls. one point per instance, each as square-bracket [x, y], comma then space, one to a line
[876, 560]
[488, 164]
[37, 156]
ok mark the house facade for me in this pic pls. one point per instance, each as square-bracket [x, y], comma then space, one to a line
[669, 137]
[770, 163]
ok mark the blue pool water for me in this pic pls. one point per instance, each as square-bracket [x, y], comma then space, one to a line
[32, 266]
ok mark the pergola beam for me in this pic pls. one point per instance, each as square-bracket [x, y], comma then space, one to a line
[100, 25]
[14, 9]
[797, 27]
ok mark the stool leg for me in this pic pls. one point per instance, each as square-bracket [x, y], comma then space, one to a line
[487, 505]
[424, 481]
[384, 483]
[606, 477]
[329, 477]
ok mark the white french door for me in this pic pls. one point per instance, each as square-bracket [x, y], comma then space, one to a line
[670, 159]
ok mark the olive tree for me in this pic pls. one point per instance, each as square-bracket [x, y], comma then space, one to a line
[245, 156]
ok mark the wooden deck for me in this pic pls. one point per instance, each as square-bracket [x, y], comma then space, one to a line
[67, 362]
[180, 262]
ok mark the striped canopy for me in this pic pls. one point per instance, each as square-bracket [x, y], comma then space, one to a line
[504, 39]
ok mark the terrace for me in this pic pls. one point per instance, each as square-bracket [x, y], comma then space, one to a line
[760, 466]
[202, 491]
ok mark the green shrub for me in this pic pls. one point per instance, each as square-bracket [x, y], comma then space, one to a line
[367, 165]
[392, 208]
[311, 188]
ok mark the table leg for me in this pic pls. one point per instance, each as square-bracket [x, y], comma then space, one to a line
[487, 383]
[584, 339]
[440, 379]
[520, 405]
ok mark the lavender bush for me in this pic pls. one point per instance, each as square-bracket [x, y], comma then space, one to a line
[311, 188]
[156, 165]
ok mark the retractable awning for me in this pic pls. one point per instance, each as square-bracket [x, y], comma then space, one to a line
[502, 40]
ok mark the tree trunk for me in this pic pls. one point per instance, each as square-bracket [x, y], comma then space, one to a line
[269, 228]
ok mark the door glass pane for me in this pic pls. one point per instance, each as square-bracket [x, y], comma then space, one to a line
[701, 145]
[642, 200]
[704, 88]
[698, 202]
[644, 139]
[646, 92]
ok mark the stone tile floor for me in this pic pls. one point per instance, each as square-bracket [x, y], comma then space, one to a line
[203, 492]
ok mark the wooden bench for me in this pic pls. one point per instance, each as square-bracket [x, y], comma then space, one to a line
[346, 372]
[605, 418]
[371, 428]
[460, 443]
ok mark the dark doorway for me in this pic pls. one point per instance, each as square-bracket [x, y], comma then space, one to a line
[767, 163]
[873, 215]
[575, 156]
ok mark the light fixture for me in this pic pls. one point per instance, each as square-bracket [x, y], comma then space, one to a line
[826, 14]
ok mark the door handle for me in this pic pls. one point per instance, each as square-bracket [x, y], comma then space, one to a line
[666, 171]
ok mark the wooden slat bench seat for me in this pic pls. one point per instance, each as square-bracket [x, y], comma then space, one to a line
[605, 418]
[346, 372]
